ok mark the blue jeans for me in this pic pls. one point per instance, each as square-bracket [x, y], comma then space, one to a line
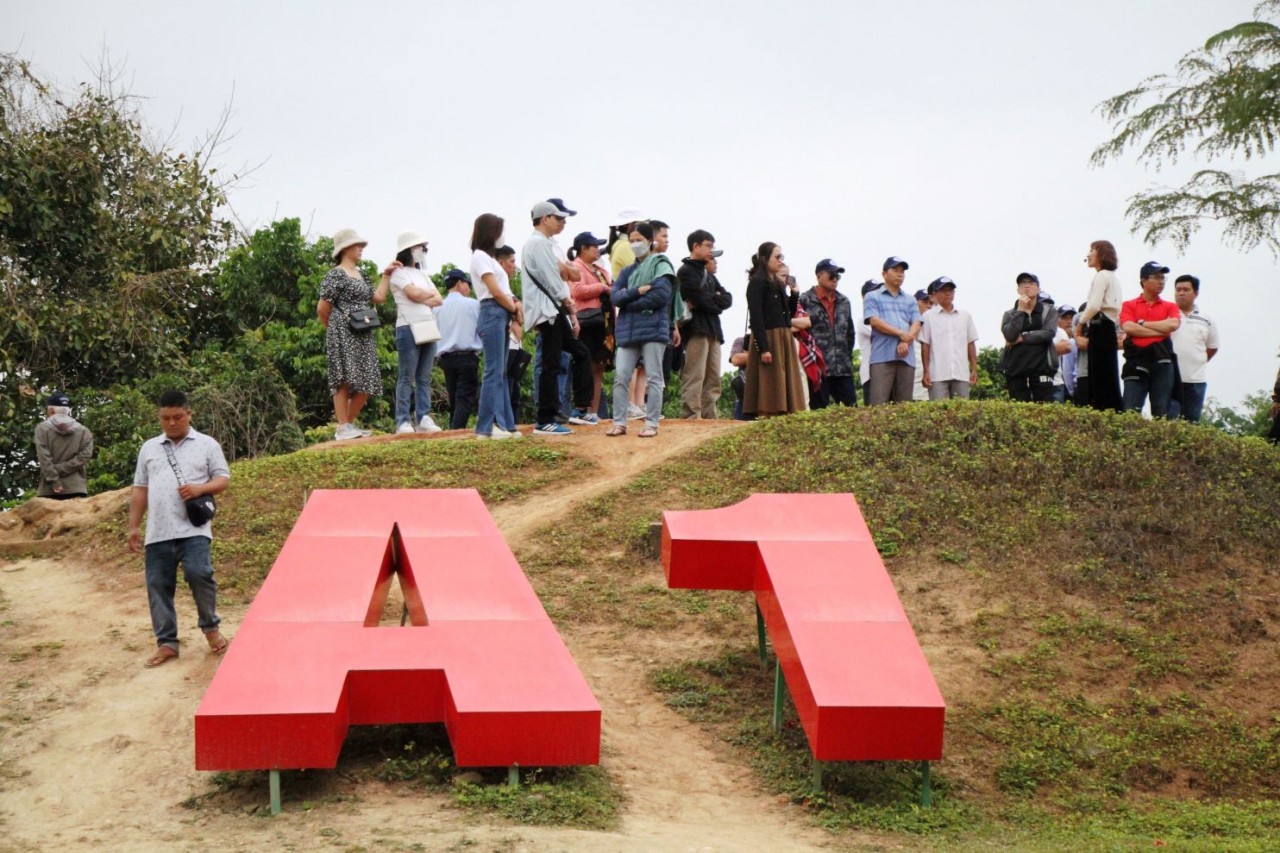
[414, 377]
[162, 560]
[624, 360]
[495, 399]
[1192, 404]
[1158, 385]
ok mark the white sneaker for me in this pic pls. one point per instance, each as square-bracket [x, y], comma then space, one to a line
[500, 434]
[428, 425]
[634, 412]
[363, 433]
[346, 431]
[404, 428]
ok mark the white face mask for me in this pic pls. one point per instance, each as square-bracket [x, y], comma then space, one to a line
[419, 256]
[640, 248]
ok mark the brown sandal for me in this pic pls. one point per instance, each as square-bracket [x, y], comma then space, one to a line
[616, 430]
[217, 643]
[163, 655]
[649, 432]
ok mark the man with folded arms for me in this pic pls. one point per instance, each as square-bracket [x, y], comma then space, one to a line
[894, 319]
[1148, 321]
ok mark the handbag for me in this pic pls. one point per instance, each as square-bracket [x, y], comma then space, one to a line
[591, 318]
[363, 319]
[425, 331]
[200, 510]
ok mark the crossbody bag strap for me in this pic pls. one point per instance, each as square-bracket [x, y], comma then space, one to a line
[173, 463]
[559, 308]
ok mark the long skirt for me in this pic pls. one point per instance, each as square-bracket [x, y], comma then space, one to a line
[1104, 366]
[777, 388]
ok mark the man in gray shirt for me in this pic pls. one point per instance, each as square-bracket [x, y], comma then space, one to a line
[548, 308]
[172, 468]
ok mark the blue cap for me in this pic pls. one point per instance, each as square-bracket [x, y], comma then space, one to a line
[1028, 276]
[1045, 297]
[586, 238]
[560, 205]
[1150, 268]
[895, 261]
[827, 265]
[870, 285]
[922, 296]
[58, 398]
[454, 276]
[939, 283]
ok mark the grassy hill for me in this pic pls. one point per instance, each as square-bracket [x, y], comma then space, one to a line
[1098, 595]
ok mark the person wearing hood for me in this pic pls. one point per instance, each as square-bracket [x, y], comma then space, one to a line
[63, 447]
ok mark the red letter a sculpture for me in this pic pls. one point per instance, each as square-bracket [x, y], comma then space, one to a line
[482, 657]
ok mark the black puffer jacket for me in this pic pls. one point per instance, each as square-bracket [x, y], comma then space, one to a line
[709, 299]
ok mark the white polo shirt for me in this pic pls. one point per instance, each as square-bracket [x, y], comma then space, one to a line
[948, 335]
[1191, 339]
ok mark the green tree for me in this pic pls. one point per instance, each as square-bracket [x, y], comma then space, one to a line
[1252, 418]
[104, 239]
[1222, 101]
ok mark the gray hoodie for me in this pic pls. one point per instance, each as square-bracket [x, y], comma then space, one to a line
[63, 447]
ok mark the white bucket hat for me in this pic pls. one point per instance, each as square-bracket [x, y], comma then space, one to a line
[409, 239]
[627, 215]
[345, 239]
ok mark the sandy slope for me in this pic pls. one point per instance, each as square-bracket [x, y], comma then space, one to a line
[96, 751]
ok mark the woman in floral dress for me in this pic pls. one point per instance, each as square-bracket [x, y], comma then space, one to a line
[353, 356]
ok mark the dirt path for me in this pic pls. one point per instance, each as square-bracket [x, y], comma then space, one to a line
[96, 751]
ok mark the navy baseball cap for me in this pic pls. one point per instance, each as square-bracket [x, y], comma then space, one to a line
[586, 238]
[1067, 309]
[1150, 268]
[895, 261]
[560, 205]
[58, 398]
[1028, 276]
[922, 296]
[870, 285]
[827, 265]
[939, 283]
[1045, 297]
[453, 276]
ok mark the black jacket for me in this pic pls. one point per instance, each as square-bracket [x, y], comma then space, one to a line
[703, 291]
[1035, 355]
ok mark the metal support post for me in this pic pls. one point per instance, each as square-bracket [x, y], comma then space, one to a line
[513, 776]
[926, 788]
[778, 685]
[760, 638]
[273, 782]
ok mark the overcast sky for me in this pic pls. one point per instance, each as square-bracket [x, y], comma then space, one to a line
[956, 135]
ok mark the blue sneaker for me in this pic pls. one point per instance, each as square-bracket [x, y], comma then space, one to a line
[583, 418]
[551, 429]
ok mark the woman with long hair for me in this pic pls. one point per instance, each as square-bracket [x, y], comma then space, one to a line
[415, 296]
[774, 383]
[1100, 323]
[352, 354]
[497, 306]
[595, 314]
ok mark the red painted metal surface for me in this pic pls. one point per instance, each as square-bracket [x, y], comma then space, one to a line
[482, 657]
[855, 670]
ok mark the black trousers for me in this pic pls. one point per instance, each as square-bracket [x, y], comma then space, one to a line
[461, 371]
[841, 390]
[557, 337]
[1030, 389]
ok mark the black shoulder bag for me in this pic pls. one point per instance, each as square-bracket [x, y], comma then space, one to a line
[201, 510]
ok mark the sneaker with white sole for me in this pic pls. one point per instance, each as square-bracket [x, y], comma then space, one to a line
[499, 434]
[363, 433]
[551, 429]
[428, 425]
[404, 428]
[634, 412]
[346, 431]
[582, 418]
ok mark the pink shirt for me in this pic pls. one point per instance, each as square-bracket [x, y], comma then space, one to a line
[586, 292]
